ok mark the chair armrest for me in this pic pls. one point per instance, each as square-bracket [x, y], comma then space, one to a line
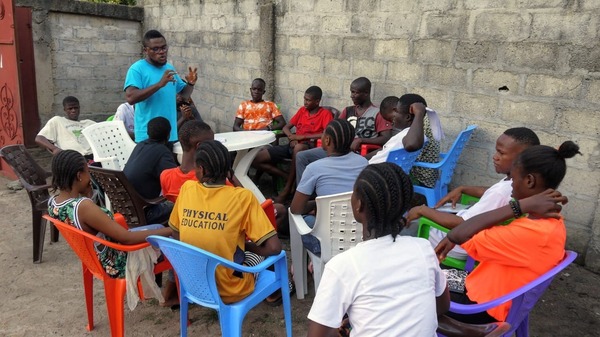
[466, 199]
[425, 224]
[114, 160]
[366, 148]
[35, 188]
[154, 201]
[120, 219]
[300, 224]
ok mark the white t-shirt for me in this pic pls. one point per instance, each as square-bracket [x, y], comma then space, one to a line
[392, 144]
[66, 134]
[496, 196]
[125, 113]
[387, 288]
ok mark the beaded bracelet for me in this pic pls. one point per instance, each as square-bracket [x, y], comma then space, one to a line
[516, 208]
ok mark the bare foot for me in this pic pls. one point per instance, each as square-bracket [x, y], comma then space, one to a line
[170, 294]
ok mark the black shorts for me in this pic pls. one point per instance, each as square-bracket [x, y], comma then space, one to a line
[279, 152]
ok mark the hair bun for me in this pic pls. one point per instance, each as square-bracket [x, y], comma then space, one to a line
[568, 149]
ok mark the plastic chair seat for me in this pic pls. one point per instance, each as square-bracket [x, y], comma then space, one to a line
[82, 244]
[33, 178]
[195, 269]
[445, 166]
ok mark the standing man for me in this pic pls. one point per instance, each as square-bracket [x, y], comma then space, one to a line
[152, 84]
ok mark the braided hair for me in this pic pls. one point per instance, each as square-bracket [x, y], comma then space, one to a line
[65, 166]
[341, 133]
[386, 192]
[548, 162]
[214, 158]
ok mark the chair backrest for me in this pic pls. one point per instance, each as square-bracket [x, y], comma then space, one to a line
[195, 269]
[110, 143]
[450, 159]
[82, 245]
[30, 173]
[335, 226]
[123, 197]
[403, 158]
[523, 304]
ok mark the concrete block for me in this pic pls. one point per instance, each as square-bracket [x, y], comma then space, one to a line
[487, 133]
[128, 48]
[85, 33]
[578, 238]
[103, 47]
[75, 72]
[404, 72]
[394, 6]
[491, 80]
[116, 33]
[358, 47]
[329, 45]
[338, 24]
[309, 63]
[475, 107]
[369, 69]
[382, 90]
[284, 62]
[67, 57]
[492, 26]
[520, 55]
[402, 25]
[433, 52]
[437, 99]
[328, 6]
[371, 24]
[445, 76]
[580, 122]
[551, 86]
[391, 49]
[335, 67]
[541, 3]
[484, 4]
[444, 25]
[592, 94]
[300, 81]
[589, 4]
[528, 113]
[579, 210]
[300, 43]
[574, 28]
[302, 7]
[331, 86]
[361, 6]
[574, 180]
[304, 24]
[586, 59]
[73, 46]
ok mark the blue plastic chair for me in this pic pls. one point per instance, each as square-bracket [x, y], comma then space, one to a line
[403, 158]
[445, 168]
[195, 269]
[523, 300]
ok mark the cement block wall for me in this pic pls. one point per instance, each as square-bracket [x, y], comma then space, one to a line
[84, 50]
[497, 64]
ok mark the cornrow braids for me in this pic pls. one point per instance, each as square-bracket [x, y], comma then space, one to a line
[214, 158]
[342, 134]
[65, 166]
[386, 191]
[548, 162]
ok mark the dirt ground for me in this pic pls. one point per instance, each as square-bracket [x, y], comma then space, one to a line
[47, 299]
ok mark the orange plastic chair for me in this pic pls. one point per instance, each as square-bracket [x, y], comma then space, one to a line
[82, 244]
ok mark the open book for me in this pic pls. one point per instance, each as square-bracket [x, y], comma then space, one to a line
[448, 208]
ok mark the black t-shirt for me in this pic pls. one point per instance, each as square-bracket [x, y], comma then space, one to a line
[148, 159]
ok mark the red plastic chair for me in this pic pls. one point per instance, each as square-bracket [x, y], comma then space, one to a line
[82, 244]
[364, 148]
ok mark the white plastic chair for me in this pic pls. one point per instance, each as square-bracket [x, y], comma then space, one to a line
[335, 228]
[110, 143]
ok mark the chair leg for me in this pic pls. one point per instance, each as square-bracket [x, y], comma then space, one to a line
[88, 289]
[523, 329]
[183, 315]
[39, 233]
[53, 233]
[114, 290]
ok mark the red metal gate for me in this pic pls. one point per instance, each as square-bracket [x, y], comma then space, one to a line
[11, 128]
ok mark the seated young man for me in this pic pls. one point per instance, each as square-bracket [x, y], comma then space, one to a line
[186, 111]
[258, 114]
[309, 121]
[370, 126]
[431, 150]
[147, 161]
[508, 147]
[64, 133]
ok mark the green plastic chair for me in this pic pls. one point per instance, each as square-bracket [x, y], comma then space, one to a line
[426, 224]
[110, 118]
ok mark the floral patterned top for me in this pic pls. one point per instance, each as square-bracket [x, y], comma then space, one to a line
[112, 260]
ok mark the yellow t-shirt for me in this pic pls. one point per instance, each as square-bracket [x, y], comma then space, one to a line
[218, 220]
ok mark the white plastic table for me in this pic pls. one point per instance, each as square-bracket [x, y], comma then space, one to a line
[247, 144]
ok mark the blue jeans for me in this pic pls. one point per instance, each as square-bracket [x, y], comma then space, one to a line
[309, 241]
[306, 157]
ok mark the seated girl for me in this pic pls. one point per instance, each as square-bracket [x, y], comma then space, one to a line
[217, 218]
[389, 285]
[72, 205]
[513, 255]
